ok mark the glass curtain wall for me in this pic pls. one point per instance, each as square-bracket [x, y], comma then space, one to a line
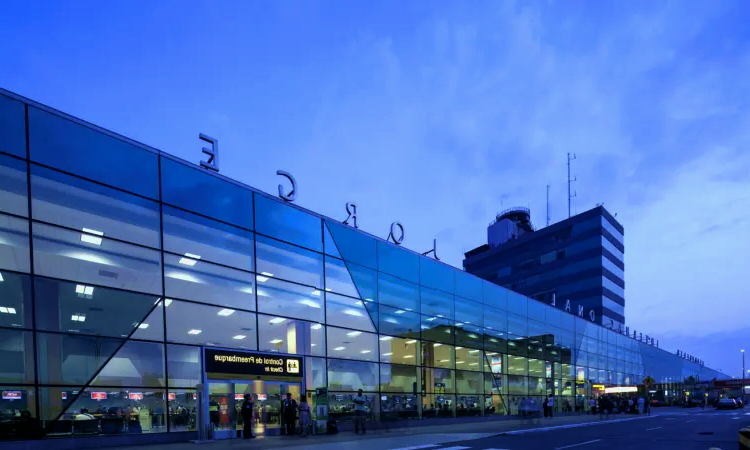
[117, 264]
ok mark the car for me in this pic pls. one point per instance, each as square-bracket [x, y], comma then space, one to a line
[727, 403]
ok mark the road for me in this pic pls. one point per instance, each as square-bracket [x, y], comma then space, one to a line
[683, 430]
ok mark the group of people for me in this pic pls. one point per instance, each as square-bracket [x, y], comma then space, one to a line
[530, 407]
[289, 410]
[607, 405]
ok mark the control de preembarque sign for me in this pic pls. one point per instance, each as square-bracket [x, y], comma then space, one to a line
[244, 363]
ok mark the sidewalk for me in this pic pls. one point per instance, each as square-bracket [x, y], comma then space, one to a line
[383, 439]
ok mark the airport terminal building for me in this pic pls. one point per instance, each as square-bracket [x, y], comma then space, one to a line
[141, 296]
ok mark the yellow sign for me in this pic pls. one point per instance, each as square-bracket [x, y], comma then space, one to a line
[648, 381]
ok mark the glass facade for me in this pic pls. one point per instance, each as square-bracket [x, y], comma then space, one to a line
[119, 265]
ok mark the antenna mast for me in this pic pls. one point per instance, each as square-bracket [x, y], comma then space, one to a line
[548, 205]
[570, 181]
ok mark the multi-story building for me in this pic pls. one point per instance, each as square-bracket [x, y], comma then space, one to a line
[142, 296]
[575, 263]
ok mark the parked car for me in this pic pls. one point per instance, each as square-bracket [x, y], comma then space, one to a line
[727, 403]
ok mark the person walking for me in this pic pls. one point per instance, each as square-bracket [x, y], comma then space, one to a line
[304, 416]
[592, 405]
[550, 405]
[360, 411]
[641, 403]
[545, 408]
[289, 411]
[247, 412]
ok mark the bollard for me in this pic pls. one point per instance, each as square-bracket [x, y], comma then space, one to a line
[744, 439]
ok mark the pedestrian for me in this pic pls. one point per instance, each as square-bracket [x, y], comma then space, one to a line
[247, 411]
[641, 403]
[545, 408]
[289, 411]
[360, 411]
[592, 405]
[550, 405]
[304, 416]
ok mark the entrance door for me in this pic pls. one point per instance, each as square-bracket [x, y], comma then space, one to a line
[225, 401]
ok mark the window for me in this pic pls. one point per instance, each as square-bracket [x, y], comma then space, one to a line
[287, 223]
[469, 359]
[398, 378]
[68, 359]
[59, 253]
[14, 244]
[612, 267]
[93, 209]
[613, 287]
[196, 190]
[436, 303]
[470, 383]
[352, 313]
[468, 286]
[276, 297]
[16, 348]
[80, 150]
[612, 249]
[468, 335]
[192, 279]
[15, 300]
[399, 350]
[135, 364]
[612, 230]
[351, 279]
[468, 312]
[398, 322]
[517, 326]
[517, 385]
[586, 225]
[440, 381]
[288, 262]
[190, 323]
[437, 329]
[552, 316]
[294, 337]
[315, 373]
[517, 304]
[352, 375]
[517, 365]
[183, 365]
[12, 127]
[399, 262]
[354, 246]
[395, 292]
[613, 306]
[495, 319]
[435, 275]
[13, 186]
[79, 308]
[207, 239]
[536, 310]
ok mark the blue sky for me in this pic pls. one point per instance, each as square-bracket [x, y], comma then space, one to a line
[439, 114]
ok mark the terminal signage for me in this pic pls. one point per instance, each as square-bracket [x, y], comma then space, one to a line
[11, 395]
[732, 383]
[244, 363]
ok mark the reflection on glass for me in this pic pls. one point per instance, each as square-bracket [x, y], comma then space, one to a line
[295, 337]
[277, 297]
[352, 344]
[399, 350]
[351, 312]
[286, 223]
[190, 323]
[13, 187]
[14, 244]
[289, 262]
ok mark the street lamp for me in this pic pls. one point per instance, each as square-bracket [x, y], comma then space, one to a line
[743, 363]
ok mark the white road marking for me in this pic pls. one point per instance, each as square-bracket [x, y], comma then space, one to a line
[416, 447]
[736, 418]
[579, 444]
[671, 418]
[690, 421]
[652, 429]
[455, 448]
[577, 425]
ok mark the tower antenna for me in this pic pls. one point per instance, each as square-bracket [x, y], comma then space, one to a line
[548, 205]
[575, 194]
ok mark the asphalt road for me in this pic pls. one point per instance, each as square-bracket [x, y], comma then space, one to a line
[692, 429]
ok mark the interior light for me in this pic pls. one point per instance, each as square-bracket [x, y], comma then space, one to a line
[87, 237]
[338, 349]
[276, 320]
[354, 333]
[309, 303]
[440, 315]
[328, 289]
[430, 319]
[408, 356]
[398, 312]
[1, 278]
[78, 317]
[444, 361]
[473, 351]
[387, 354]
[7, 310]
[364, 352]
[194, 332]
[492, 354]
[263, 277]
[473, 364]
[386, 338]
[493, 340]
[390, 320]
[189, 259]
[436, 345]
[352, 312]
[226, 312]
[167, 302]
[459, 348]
[84, 290]
[448, 331]
[317, 326]
[276, 341]
[315, 293]
[246, 289]
[459, 362]
[424, 327]
[143, 326]
[413, 341]
[239, 337]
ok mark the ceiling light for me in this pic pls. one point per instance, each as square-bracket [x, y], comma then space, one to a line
[338, 349]
[492, 354]
[276, 320]
[459, 362]
[89, 239]
[226, 312]
[387, 354]
[413, 341]
[239, 337]
[390, 320]
[328, 289]
[386, 338]
[473, 336]
[364, 352]
[78, 317]
[194, 332]
[276, 341]
[315, 293]
[189, 259]
[317, 326]
[444, 361]
[440, 315]
[354, 333]
[143, 326]
[459, 348]
[352, 312]
[473, 351]
[473, 364]
[430, 319]
[1, 278]
[7, 310]
[398, 312]
[261, 278]
[436, 345]
[84, 290]
[448, 330]
[408, 356]
[493, 340]
[309, 303]
[369, 300]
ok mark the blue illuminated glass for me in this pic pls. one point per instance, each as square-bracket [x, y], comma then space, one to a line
[494, 295]
[517, 304]
[398, 262]
[77, 149]
[354, 246]
[468, 286]
[196, 190]
[12, 127]
[399, 293]
[288, 224]
[13, 190]
[437, 276]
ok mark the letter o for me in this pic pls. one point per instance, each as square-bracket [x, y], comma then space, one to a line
[592, 315]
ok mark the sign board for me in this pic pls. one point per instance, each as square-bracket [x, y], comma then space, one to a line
[11, 395]
[245, 363]
[732, 383]
[648, 381]
[172, 396]
[620, 389]
[98, 396]
[135, 396]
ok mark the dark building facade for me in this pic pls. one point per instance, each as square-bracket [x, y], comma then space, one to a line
[576, 263]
